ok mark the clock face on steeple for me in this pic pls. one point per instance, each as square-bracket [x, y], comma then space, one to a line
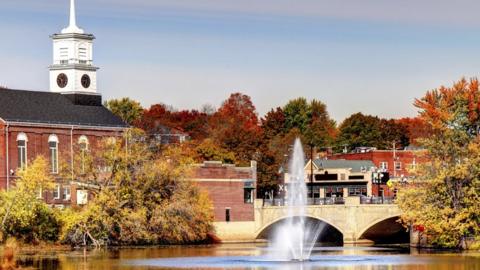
[62, 80]
[72, 69]
[85, 81]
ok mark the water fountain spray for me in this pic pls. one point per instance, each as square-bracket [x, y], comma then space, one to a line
[295, 238]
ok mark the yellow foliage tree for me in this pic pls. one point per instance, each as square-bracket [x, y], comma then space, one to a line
[444, 198]
[23, 214]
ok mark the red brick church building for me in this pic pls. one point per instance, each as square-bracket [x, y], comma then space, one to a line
[58, 123]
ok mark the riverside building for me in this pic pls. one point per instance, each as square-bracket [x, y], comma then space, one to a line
[67, 119]
[232, 192]
[392, 164]
[330, 181]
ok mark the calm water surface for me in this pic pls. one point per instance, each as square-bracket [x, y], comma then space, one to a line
[249, 256]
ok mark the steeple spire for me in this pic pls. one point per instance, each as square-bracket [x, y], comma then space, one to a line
[72, 28]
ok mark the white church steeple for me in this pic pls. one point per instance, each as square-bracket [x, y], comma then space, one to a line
[72, 69]
[72, 27]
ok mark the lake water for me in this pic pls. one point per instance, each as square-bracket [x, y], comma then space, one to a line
[249, 256]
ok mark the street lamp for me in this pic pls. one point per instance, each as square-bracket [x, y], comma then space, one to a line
[311, 172]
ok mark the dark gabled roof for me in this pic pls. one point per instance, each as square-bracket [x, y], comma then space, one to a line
[354, 165]
[55, 108]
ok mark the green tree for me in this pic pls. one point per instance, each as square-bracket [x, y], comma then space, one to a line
[297, 114]
[444, 198]
[125, 108]
[360, 130]
[298, 118]
[366, 130]
[321, 130]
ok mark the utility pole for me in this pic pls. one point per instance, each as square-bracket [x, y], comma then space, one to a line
[394, 160]
[311, 172]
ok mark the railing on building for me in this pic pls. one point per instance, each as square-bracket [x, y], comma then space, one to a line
[377, 200]
[310, 201]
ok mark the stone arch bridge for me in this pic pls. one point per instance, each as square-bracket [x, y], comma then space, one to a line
[353, 221]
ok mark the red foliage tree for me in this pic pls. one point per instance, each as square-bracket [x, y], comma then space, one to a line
[235, 127]
[416, 128]
[193, 122]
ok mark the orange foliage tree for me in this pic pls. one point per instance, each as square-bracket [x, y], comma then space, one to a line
[235, 127]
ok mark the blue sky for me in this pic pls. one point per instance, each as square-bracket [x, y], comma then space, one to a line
[373, 56]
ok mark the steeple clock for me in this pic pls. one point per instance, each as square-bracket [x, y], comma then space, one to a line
[72, 70]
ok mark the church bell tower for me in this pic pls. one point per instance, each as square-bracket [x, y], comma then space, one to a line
[72, 70]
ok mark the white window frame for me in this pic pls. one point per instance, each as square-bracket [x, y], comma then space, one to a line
[57, 191]
[67, 193]
[399, 163]
[23, 160]
[384, 165]
[53, 156]
[83, 151]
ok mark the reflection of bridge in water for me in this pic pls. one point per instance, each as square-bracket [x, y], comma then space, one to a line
[348, 220]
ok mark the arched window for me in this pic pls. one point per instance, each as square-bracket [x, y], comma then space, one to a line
[83, 143]
[22, 141]
[53, 146]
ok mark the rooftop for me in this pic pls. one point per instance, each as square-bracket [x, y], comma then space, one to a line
[354, 165]
[56, 108]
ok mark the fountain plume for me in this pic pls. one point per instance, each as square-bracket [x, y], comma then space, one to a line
[295, 238]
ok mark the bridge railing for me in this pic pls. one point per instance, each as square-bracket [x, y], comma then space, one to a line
[310, 201]
[377, 200]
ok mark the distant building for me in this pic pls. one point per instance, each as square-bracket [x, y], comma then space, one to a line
[57, 124]
[165, 135]
[392, 163]
[232, 191]
[337, 178]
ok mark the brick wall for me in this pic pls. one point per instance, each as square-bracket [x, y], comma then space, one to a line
[38, 145]
[228, 195]
[3, 169]
[406, 157]
[225, 185]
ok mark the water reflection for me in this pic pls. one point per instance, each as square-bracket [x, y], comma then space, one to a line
[248, 256]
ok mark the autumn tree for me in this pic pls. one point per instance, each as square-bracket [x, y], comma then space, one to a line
[127, 109]
[444, 198]
[140, 196]
[235, 127]
[298, 118]
[416, 129]
[207, 150]
[270, 156]
[193, 122]
[22, 214]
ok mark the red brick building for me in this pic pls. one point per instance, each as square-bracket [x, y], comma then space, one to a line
[58, 124]
[395, 163]
[230, 188]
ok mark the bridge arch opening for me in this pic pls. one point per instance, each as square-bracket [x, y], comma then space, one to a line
[328, 233]
[387, 231]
